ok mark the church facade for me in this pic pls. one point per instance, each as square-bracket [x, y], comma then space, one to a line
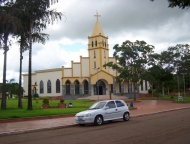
[84, 78]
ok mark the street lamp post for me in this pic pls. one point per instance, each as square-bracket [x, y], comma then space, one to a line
[97, 81]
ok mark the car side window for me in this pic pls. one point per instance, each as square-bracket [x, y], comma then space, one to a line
[119, 103]
[111, 104]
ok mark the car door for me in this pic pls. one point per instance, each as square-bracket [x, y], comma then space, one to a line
[120, 108]
[111, 111]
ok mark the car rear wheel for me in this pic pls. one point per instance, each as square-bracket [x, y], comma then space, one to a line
[98, 120]
[126, 116]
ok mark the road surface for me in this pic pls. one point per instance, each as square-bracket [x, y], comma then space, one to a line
[169, 128]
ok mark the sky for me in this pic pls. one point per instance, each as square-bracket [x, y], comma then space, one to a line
[120, 20]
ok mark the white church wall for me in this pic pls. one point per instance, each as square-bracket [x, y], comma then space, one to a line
[144, 90]
[25, 84]
[76, 70]
[85, 67]
[52, 76]
[67, 72]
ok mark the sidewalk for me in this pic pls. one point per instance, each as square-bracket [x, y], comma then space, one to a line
[143, 108]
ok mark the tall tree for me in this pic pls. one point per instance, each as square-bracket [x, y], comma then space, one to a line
[8, 25]
[38, 13]
[23, 41]
[132, 58]
[181, 58]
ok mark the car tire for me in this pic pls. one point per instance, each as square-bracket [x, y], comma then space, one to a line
[98, 120]
[126, 116]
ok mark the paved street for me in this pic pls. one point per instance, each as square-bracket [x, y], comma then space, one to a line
[170, 127]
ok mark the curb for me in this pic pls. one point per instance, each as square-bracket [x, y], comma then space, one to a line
[35, 130]
[35, 118]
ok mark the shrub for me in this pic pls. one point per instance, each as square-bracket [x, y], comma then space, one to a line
[150, 91]
[35, 95]
[45, 100]
[62, 101]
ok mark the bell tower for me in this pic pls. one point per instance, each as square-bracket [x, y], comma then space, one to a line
[98, 48]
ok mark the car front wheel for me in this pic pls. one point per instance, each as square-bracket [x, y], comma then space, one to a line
[98, 120]
[126, 116]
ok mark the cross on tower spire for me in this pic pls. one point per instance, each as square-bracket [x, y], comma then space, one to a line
[97, 15]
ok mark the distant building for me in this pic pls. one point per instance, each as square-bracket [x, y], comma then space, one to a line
[86, 77]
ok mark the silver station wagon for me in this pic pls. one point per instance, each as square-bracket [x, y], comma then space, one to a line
[101, 111]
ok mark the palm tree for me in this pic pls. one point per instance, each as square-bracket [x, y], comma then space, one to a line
[23, 41]
[9, 24]
[38, 16]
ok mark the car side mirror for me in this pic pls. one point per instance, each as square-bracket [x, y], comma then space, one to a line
[106, 107]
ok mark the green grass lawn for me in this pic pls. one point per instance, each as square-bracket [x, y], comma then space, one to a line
[13, 111]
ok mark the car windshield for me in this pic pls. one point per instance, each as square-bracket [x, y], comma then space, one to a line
[97, 105]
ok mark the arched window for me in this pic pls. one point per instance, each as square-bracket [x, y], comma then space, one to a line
[77, 87]
[85, 87]
[94, 54]
[94, 64]
[92, 43]
[49, 86]
[41, 87]
[104, 54]
[96, 43]
[103, 42]
[57, 86]
[67, 87]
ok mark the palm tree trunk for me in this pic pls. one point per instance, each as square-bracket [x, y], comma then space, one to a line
[3, 101]
[20, 78]
[30, 69]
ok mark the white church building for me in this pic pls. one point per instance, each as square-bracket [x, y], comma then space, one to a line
[84, 78]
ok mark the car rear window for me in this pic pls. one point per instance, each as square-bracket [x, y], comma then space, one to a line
[111, 104]
[119, 103]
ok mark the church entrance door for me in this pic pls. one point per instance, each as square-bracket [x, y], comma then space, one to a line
[100, 88]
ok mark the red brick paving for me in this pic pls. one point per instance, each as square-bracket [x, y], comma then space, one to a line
[143, 107]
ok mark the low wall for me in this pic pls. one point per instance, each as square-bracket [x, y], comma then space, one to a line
[142, 95]
[52, 98]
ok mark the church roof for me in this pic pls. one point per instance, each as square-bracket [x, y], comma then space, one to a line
[97, 28]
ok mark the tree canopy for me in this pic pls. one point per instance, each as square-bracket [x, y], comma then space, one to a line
[132, 59]
[182, 4]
